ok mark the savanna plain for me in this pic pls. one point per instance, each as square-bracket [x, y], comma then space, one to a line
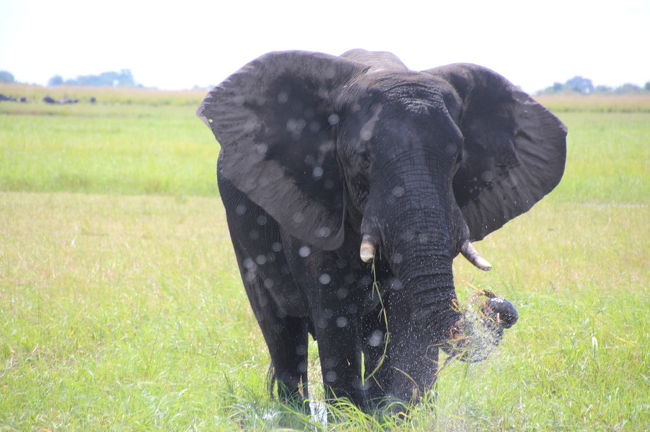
[121, 306]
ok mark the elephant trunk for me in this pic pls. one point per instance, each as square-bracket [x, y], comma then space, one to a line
[421, 259]
[420, 300]
[411, 226]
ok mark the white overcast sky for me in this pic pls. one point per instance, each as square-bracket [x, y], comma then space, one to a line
[179, 44]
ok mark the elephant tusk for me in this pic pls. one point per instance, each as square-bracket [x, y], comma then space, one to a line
[367, 250]
[473, 256]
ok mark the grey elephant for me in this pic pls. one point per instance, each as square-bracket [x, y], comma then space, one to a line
[350, 184]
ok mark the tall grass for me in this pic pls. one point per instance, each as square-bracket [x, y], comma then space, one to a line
[121, 307]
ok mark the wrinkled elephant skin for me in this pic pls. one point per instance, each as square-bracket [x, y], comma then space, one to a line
[339, 172]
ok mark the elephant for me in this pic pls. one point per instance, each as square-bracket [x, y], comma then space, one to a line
[350, 183]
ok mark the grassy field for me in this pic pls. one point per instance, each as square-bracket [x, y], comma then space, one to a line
[121, 308]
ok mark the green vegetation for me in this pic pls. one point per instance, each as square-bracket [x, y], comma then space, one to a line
[129, 142]
[121, 307]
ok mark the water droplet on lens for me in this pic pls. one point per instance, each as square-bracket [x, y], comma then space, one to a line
[261, 148]
[341, 321]
[304, 251]
[396, 284]
[333, 119]
[298, 217]
[324, 279]
[323, 232]
[487, 176]
[376, 338]
[398, 191]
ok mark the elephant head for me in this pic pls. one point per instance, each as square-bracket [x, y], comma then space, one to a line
[407, 167]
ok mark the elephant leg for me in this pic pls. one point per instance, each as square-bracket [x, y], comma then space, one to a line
[376, 337]
[290, 361]
[286, 339]
[334, 307]
[339, 347]
[375, 349]
[278, 305]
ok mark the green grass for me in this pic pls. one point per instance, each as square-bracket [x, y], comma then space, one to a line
[608, 158]
[122, 149]
[598, 102]
[121, 308]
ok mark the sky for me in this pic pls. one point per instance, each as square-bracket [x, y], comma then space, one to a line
[182, 44]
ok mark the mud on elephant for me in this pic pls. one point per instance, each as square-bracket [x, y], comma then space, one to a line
[335, 169]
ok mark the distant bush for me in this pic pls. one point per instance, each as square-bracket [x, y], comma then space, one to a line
[580, 85]
[55, 81]
[6, 77]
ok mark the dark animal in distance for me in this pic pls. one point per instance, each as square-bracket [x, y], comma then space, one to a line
[50, 100]
[335, 171]
[5, 98]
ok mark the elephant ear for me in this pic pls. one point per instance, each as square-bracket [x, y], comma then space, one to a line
[275, 119]
[514, 149]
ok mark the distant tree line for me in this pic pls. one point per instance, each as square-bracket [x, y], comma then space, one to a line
[123, 78]
[579, 84]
